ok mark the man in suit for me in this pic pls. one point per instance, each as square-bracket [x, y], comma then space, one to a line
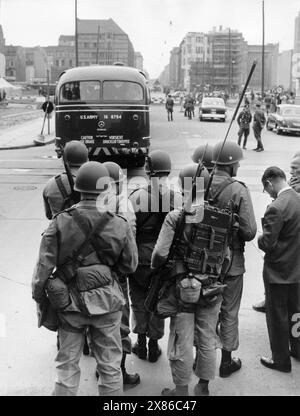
[281, 243]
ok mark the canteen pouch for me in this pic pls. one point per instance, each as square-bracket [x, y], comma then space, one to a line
[58, 293]
[189, 289]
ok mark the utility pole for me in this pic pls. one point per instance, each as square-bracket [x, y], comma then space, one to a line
[48, 99]
[98, 35]
[229, 61]
[76, 36]
[263, 52]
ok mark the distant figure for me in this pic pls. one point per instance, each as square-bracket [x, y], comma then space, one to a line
[259, 121]
[244, 119]
[268, 103]
[169, 107]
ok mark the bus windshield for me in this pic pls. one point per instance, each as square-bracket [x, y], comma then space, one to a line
[122, 91]
[80, 91]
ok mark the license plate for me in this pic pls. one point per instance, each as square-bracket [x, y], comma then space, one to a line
[213, 111]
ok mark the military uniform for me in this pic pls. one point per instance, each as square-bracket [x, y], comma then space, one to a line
[55, 198]
[199, 322]
[239, 194]
[259, 121]
[148, 226]
[116, 248]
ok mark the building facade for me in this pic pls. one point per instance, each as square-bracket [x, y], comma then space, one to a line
[284, 72]
[174, 68]
[270, 66]
[138, 60]
[15, 63]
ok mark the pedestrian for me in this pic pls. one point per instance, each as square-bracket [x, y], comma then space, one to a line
[57, 194]
[294, 183]
[268, 103]
[151, 204]
[169, 107]
[281, 243]
[193, 318]
[259, 121]
[226, 189]
[244, 119]
[189, 107]
[88, 249]
[115, 200]
[203, 153]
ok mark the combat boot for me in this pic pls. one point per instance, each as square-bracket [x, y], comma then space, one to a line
[154, 350]
[140, 348]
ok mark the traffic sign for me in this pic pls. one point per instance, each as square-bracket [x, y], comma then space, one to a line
[48, 107]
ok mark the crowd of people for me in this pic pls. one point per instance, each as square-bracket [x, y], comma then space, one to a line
[98, 256]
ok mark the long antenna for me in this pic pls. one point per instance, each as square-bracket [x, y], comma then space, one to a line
[232, 120]
[76, 35]
[263, 52]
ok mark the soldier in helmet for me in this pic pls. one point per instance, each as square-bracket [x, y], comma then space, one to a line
[203, 153]
[224, 190]
[116, 200]
[94, 248]
[151, 204]
[191, 319]
[57, 194]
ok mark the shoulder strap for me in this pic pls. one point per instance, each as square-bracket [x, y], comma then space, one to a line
[220, 188]
[87, 231]
[61, 187]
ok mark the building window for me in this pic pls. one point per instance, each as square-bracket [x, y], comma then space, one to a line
[85, 45]
[70, 62]
[57, 62]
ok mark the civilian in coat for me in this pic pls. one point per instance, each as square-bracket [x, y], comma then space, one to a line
[281, 243]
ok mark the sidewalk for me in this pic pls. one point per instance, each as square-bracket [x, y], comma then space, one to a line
[23, 135]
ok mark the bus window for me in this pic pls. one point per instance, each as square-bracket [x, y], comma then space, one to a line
[122, 91]
[83, 91]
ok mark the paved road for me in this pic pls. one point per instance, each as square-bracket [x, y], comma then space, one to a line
[27, 353]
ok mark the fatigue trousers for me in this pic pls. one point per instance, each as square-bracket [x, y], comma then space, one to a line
[107, 348]
[282, 313]
[143, 322]
[229, 314]
[243, 131]
[185, 328]
[257, 134]
[125, 329]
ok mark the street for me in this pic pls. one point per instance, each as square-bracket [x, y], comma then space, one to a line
[27, 353]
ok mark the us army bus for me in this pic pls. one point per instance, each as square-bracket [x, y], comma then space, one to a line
[107, 108]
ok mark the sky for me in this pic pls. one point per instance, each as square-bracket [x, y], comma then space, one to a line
[153, 26]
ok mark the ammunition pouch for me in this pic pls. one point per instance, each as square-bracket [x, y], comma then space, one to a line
[189, 288]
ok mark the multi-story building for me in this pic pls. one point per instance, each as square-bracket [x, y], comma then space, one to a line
[194, 47]
[174, 68]
[61, 57]
[164, 78]
[112, 44]
[2, 56]
[270, 65]
[138, 60]
[284, 71]
[296, 60]
[227, 60]
[2, 41]
[15, 63]
[36, 64]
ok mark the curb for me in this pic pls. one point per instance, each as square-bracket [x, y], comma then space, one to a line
[26, 146]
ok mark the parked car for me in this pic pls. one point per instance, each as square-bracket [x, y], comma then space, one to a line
[286, 119]
[212, 108]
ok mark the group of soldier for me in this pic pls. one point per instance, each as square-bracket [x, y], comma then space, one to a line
[97, 251]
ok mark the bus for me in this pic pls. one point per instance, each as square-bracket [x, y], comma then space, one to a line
[107, 108]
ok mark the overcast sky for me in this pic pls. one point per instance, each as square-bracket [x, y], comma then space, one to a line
[147, 22]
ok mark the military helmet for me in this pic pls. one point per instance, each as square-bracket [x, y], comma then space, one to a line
[115, 171]
[187, 173]
[92, 178]
[76, 153]
[158, 161]
[231, 153]
[199, 152]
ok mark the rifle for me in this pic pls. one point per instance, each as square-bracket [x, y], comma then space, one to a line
[161, 274]
[75, 196]
[232, 120]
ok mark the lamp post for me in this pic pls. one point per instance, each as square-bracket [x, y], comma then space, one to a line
[232, 77]
[76, 35]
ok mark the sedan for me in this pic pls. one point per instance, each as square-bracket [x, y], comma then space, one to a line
[212, 108]
[286, 119]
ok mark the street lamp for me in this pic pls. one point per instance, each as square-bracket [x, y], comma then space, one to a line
[231, 78]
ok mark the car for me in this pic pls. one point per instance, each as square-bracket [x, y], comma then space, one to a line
[212, 108]
[286, 119]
